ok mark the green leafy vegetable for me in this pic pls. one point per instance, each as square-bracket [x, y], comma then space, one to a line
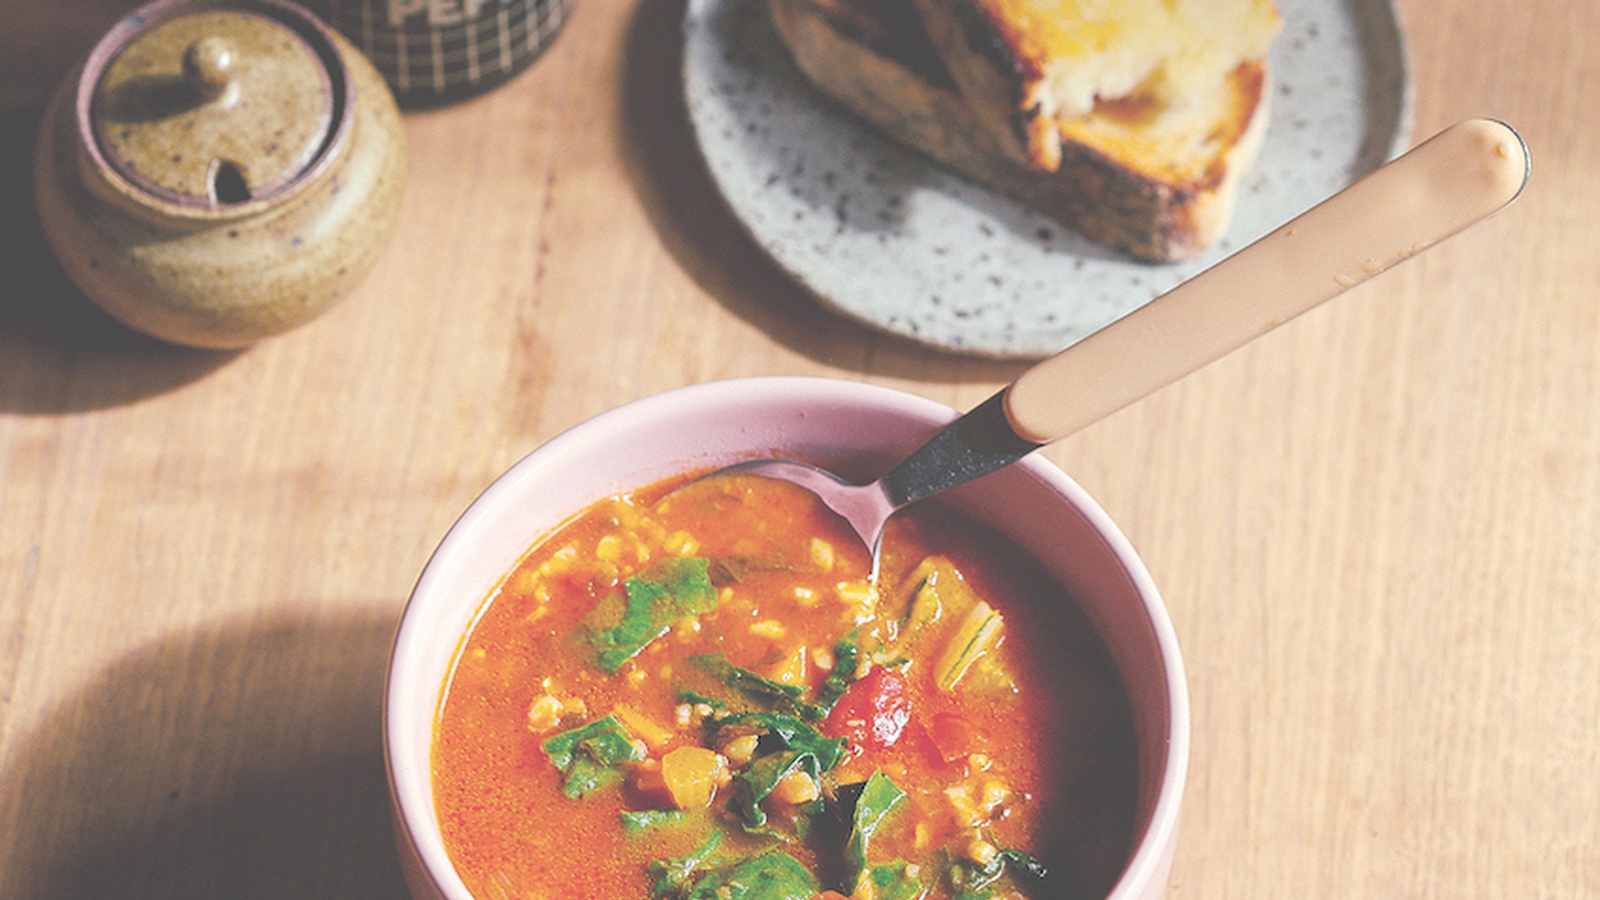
[978, 633]
[787, 745]
[926, 606]
[756, 688]
[923, 605]
[777, 695]
[770, 876]
[846, 657]
[587, 754]
[758, 780]
[688, 696]
[649, 604]
[878, 797]
[639, 822]
[788, 732]
[672, 875]
[895, 881]
[970, 880]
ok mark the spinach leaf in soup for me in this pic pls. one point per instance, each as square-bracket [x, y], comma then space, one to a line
[788, 732]
[877, 798]
[895, 881]
[786, 746]
[846, 658]
[673, 876]
[756, 688]
[588, 755]
[645, 820]
[972, 881]
[650, 603]
[770, 876]
[761, 778]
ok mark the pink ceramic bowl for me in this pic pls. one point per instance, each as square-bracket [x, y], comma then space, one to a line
[855, 428]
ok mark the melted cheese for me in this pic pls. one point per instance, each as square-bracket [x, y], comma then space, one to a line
[1089, 50]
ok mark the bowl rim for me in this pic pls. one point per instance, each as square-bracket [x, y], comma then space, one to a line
[1145, 871]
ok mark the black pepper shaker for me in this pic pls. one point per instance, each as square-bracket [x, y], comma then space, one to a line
[436, 52]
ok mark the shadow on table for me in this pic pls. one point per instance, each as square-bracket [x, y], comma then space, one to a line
[245, 763]
[58, 352]
[711, 245]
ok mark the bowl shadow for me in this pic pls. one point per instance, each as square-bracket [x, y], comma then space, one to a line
[245, 763]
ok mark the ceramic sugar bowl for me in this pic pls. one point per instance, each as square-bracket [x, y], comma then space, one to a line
[219, 171]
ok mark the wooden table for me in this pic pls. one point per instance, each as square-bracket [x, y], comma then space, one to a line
[1377, 528]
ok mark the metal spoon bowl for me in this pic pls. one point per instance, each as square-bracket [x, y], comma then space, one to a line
[1440, 187]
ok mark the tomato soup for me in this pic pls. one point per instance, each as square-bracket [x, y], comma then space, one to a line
[697, 692]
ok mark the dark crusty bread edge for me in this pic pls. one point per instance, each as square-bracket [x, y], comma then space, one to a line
[1003, 88]
[907, 96]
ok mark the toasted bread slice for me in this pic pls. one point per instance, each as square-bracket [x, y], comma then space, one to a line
[1026, 66]
[1151, 178]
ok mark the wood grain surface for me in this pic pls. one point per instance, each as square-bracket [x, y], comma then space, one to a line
[1377, 528]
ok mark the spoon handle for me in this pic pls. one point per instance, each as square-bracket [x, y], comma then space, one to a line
[1433, 191]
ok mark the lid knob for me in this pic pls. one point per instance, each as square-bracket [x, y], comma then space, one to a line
[209, 105]
[209, 70]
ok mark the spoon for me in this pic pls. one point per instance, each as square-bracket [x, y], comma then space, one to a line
[1438, 188]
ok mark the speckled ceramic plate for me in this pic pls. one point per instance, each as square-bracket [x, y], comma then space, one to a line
[884, 236]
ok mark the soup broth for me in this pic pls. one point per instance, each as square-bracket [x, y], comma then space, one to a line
[696, 693]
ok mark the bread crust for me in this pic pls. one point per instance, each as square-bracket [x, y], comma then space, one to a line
[1003, 87]
[1105, 185]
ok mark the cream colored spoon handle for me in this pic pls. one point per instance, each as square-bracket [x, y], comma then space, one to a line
[1433, 191]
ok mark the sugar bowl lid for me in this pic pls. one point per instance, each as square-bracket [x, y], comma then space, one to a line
[206, 107]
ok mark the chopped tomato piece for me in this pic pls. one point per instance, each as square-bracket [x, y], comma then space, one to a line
[873, 712]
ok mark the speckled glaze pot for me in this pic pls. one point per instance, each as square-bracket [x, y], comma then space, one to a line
[219, 171]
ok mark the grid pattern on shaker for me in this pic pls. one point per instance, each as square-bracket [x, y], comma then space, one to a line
[417, 57]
